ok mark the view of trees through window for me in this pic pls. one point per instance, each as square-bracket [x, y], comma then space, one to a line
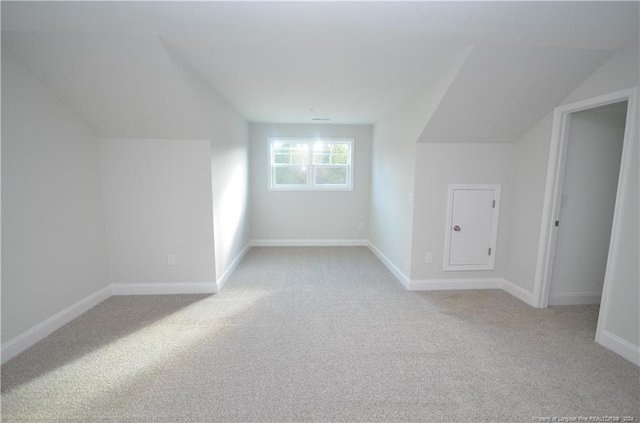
[311, 164]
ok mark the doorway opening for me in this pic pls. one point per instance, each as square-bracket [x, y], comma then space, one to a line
[587, 201]
[553, 210]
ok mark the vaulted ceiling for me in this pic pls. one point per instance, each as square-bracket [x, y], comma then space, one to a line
[350, 62]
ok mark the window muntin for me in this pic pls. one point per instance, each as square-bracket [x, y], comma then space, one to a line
[301, 165]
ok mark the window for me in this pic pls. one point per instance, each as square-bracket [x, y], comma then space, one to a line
[310, 165]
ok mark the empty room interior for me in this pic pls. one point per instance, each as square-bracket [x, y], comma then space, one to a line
[320, 211]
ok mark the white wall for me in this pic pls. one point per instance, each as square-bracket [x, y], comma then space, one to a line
[230, 185]
[392, 178]
[333, 215]
[531, 154]
[393, 164]
[157, 201]
[617, 73]
[531, 158]
[53, 238]
[162, 196]
[228, 133]
[623, 317]
[530, 164]
[437, 166]
[589, 195]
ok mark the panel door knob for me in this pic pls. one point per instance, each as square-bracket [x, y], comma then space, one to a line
[456, 228]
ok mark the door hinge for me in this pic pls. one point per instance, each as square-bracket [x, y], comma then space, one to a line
[489, 250]
[557, 223]
[493, 206]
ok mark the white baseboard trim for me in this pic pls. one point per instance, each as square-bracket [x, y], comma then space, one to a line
[232, 267]
[404, 279]
[574, 298]
[40, 331]
[471, 283]
[620, 346]
[309, 243]
[31, 336]
[20, 343]
[166, 288]
[517, 291]
[454, 284]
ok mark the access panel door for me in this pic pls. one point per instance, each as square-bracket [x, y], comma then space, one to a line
[472, 227]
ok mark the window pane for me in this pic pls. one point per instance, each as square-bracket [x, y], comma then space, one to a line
[287, 147]
[339, 153]
[279, 148]
[321, 159]
[282, 158]
[294, 175]
[339, 159]
[330, 176]
[301, 157]
[321, 148]
[302, 164]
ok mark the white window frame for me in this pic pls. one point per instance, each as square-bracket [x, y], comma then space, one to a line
[310, 186]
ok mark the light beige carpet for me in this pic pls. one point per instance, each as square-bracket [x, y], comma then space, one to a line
[320, 334]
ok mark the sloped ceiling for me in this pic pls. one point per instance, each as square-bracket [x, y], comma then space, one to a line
[502, 91]
[273, 61]
[120, 84]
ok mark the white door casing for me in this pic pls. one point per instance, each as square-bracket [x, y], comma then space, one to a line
[587, 204]
[472, 227]
[554, 187]
[552, 205]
